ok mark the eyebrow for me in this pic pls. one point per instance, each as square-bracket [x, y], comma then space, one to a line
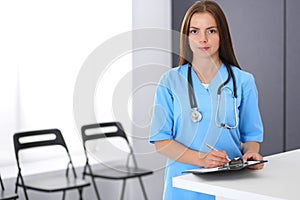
[199, 28]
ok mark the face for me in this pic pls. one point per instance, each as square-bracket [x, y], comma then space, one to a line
[204, 36]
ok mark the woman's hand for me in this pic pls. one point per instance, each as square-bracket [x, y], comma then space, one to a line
[215, 159]
[251, 150]
[253, 156]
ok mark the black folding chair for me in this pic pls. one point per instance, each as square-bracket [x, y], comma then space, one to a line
[58, 183]
[119, 172]
[5, 195]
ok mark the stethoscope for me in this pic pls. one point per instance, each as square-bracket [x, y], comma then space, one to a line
[196, 115]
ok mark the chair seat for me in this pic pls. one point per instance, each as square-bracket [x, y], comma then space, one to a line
[5, 195]
[55, 184]
[119, 172]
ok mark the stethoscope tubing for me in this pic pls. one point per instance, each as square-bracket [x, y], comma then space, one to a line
[196, 116]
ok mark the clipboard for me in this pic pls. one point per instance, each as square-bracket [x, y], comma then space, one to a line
[233, 165]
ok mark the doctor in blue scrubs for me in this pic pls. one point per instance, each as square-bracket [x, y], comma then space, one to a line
[188, 112]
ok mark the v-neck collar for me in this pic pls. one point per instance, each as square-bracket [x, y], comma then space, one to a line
[219, 78]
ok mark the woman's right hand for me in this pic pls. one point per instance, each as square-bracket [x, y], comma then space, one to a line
[215, 159]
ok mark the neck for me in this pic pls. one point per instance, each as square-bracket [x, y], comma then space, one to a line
[206, 69]
[206, 64]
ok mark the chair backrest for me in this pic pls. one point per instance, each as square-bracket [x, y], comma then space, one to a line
[102, 131]
[33, 139]
[118, 132]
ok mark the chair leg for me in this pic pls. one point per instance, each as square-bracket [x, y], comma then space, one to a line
[123, 189]
[143, 188]
[64, 195]
[16, 185]
[96, 189]
[25, 191]
[80, 193]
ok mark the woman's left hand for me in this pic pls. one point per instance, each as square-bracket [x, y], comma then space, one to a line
[253, 156]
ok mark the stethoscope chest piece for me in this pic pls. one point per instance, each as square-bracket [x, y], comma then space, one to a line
[196, 116]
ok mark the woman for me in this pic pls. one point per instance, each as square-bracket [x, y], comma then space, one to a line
[182, 123]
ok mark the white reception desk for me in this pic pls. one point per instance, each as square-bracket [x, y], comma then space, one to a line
[279, 179]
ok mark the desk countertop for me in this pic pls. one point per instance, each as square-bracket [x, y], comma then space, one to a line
[279, 179]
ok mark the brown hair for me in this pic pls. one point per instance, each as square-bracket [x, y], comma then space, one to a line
[226, 52]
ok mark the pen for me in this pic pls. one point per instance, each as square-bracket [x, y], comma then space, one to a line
[212, 148]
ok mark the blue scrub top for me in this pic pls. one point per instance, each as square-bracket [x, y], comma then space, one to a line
[172, 111]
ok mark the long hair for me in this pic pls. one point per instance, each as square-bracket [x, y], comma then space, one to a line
[226, 52]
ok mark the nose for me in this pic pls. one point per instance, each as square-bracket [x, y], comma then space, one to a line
[202, 37]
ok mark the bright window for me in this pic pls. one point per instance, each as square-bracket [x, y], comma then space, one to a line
[43, 47]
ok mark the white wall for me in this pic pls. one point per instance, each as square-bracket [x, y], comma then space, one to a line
[43, 47]
[150, 60]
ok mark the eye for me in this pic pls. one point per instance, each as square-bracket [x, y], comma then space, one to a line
[212, 31]
[193, 31]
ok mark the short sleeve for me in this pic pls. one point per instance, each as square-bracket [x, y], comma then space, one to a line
[162, 116]
[250, 125]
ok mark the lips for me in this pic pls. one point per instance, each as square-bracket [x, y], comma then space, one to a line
[204, 48]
